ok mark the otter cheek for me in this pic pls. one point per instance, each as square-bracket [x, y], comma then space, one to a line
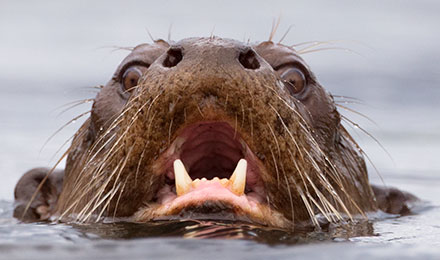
[107, 106]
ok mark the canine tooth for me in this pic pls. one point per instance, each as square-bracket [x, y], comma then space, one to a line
[238, 178]
[183, 181]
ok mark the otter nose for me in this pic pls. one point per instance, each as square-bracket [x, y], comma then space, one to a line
[217, 55]
[248, 59]
[173, 56]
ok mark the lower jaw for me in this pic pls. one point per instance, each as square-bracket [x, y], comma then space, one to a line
[214, 210]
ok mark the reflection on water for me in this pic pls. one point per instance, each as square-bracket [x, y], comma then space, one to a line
[227, 230]
[207, 240]
[12, 230]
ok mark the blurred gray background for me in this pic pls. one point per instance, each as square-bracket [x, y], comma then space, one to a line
[52, 51]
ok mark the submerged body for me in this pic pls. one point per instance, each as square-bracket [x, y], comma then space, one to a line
[210, 128]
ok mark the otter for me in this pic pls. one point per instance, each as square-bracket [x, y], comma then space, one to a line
[210, 128]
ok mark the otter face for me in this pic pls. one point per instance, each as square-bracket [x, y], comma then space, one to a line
[212, 128]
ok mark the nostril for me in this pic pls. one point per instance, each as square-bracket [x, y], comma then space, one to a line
[174, 56]
[248, 59]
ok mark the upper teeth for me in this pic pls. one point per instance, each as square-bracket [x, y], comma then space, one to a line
[236, 182]
[238, 178]
[183, 180]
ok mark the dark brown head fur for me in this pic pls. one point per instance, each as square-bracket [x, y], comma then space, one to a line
[307, 162]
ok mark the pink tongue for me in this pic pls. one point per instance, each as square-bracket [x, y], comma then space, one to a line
[209, 188]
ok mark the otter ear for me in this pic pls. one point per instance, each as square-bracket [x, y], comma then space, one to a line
[394, 201]
[44, 202]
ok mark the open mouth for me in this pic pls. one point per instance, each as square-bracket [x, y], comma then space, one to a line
[210, 172]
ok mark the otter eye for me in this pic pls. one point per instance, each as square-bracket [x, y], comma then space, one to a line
[130, 78]
[294, 79]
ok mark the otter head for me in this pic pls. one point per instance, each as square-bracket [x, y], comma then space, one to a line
[212, 128]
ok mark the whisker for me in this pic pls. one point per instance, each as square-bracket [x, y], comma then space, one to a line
[97, 169]
[347, 97]
[357, 113]
[364, 154]
[80, 133]
[139, 165]
[169, 32]
[306, 204]
[275, 24]
[83, 192]
[275, 139]
[327, 49]
[326, 183]
[62, 127]
[290, 194]
[242, 114]
[236, 125]
[314, 43]
[116, 48]
[212, 33]
[43, 181]
[285, 34]
[169, 130]
[115, 187]
[150, 35]
[276, 167]
[73, 104]
[119, 198]
[116, 122]
[200, 111]
[357, 126]
[348, 102]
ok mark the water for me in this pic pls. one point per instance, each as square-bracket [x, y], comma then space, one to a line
[51, 51]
